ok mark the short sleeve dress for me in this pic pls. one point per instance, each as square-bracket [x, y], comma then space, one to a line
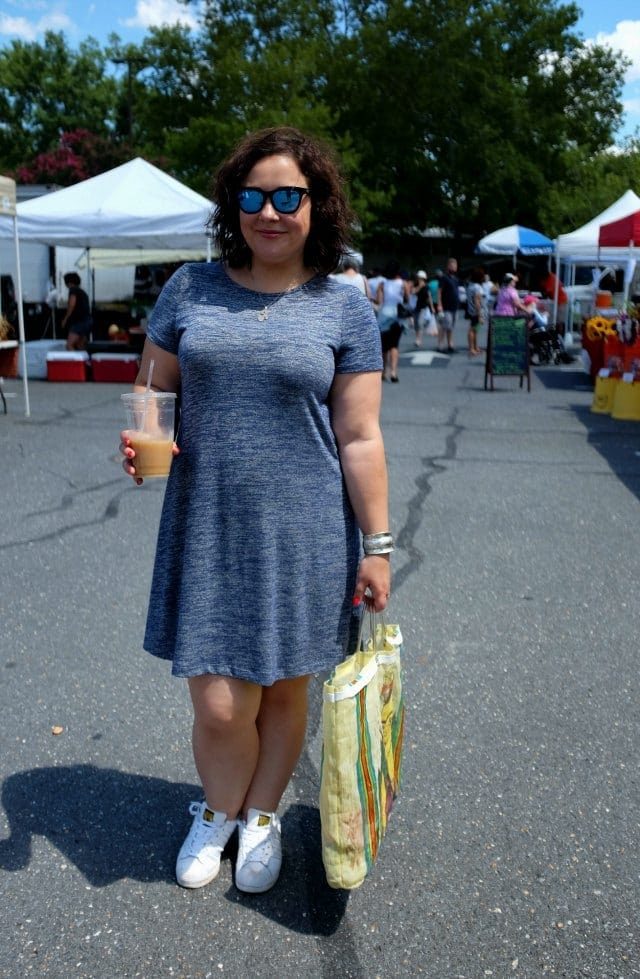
[258, 545]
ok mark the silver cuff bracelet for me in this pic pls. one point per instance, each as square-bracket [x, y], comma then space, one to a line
[377, 543]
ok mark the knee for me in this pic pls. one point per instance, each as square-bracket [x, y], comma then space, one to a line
[286, 695]
[223, 708]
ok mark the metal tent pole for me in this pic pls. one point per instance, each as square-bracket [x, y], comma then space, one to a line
[21, 334]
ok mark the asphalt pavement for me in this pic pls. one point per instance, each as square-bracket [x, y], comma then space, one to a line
[513, 848]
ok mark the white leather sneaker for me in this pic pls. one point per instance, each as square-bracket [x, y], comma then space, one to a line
[198, 861]
[259, 852]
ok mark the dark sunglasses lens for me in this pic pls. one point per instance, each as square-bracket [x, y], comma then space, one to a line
[251, 201]
[286, 199]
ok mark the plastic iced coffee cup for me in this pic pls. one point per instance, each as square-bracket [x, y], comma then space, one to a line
[150, 424]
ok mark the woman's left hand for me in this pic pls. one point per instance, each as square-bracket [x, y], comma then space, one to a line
[374, 574]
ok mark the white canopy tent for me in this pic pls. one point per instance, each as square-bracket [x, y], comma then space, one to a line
[133, 206]
[581, 247]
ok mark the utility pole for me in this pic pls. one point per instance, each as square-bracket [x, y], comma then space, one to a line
[137, 63]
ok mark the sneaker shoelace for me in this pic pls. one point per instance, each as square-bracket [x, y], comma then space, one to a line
[257, 845]
[202, 833]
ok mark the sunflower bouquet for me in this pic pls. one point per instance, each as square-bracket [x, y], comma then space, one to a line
[600, 328]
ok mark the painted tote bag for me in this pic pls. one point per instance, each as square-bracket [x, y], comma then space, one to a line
[362, 728]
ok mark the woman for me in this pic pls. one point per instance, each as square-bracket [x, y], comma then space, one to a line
[508, 302]
[424, 310]
[476, 310]
[257, 577]
[78, 315]
[351, 275]
[393, 292]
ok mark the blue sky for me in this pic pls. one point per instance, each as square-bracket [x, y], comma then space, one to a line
[609, 21]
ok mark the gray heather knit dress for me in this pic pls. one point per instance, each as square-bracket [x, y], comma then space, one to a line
[258, 546]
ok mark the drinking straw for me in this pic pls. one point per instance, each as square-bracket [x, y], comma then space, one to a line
[146, 394]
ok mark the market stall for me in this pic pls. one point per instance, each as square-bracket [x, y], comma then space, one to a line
[135, 207]
[582, 246]
[8, 209]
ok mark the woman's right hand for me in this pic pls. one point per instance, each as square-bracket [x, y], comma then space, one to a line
[129, 455]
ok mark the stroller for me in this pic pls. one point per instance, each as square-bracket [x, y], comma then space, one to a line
[545, 343]
[546, 347]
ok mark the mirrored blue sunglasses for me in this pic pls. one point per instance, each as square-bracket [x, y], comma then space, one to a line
[285, 200]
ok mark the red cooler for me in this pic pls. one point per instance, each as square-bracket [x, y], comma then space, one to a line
[67, 365]
[115, 368]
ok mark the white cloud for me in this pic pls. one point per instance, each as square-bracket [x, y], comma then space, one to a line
[27, 30]
[155, 13]
[27, 4]
[54, 22]
[625, 38]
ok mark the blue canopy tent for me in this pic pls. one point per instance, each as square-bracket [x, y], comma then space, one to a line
[514, 240]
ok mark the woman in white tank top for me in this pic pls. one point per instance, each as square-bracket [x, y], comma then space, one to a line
[391, 291]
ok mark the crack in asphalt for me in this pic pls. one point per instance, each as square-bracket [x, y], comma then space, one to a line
[432, 466]
[110, 511]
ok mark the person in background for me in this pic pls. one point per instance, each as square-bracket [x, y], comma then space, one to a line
[392, 294]
[447, 306]
[374, 281]
[350, 275]
[424, 308]
[538, 319]
[258, 575]
[508, 302]
[476, 310]
[490, 290]
[77, 318]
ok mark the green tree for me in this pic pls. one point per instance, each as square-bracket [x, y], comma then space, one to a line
[589, 185]
[446, 112]
[47, 89]
[473, 109]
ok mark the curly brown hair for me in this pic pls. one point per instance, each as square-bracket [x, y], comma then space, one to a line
[331, 216]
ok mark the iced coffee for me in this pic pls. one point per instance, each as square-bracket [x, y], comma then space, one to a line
[150, 424]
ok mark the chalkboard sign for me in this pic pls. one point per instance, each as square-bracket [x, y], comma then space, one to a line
[507, 349]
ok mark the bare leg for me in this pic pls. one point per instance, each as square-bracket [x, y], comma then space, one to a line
[225, 738]
[281, 723]
[393, 362]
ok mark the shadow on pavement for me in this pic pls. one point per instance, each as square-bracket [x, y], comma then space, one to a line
[110, 824]
[113, 825]
[617, 441]
[561, 379]
[302, 900]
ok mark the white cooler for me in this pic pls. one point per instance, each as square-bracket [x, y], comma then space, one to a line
[36, 353]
